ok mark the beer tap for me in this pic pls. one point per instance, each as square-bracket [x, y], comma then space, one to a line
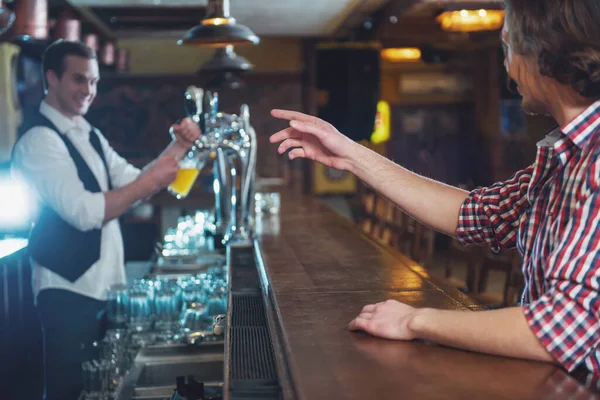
[226, 138]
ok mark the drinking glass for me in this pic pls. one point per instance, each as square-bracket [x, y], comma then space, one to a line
[189, 169]
[118, 304]
[141, 297]
[166, 303]
[267, 203]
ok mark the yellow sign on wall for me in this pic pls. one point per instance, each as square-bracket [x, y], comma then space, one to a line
[381, 133]
[331, 181]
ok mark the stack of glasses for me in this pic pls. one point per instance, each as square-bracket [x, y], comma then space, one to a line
[158, 305]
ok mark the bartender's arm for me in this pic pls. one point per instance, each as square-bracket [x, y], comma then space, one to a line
[132, 185]
[43, 161]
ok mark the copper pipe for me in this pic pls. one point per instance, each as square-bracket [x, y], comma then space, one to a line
[67, 27]
[7, 18]
[107, 54]
[122, 60]
[31, 19]
[91, 40]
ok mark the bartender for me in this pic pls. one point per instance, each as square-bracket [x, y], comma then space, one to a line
[83, 186]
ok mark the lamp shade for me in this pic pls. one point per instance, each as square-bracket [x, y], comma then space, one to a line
[225, 80]
[225, 59]
[219, 29]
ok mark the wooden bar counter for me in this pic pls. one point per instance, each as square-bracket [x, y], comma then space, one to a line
[321, 271]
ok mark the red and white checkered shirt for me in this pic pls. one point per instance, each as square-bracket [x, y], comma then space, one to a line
[551, 213]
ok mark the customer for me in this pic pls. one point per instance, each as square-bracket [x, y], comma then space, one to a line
[550, 211]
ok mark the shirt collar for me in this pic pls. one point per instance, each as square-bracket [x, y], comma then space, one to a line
[63, 123]
[577, 133]
[582, 128]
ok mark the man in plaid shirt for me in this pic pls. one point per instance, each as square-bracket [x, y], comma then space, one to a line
[549, 211]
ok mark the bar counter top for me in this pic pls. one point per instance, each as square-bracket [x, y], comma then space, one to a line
[321, 270]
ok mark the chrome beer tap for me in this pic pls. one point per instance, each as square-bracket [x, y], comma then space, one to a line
[227, 139]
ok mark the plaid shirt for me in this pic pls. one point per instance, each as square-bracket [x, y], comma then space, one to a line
[551, 213]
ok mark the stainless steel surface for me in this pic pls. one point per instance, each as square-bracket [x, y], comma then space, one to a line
[156, 369]
[163, 373]
[186, 264]
[164, 392]
[222, 186]
[248, 173]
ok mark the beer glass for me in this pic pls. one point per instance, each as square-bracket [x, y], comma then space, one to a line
[189, 169]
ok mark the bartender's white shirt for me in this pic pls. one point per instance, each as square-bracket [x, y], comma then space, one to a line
[43, 161]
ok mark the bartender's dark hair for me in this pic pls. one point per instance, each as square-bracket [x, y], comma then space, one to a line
[54, 56]
[563, 36]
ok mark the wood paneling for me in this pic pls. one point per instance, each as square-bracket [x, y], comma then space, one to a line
[164, 56]
[135, 112]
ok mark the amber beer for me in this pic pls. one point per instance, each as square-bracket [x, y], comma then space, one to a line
[183, 183]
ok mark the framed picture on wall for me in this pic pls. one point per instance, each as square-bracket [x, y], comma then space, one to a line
[434, 83]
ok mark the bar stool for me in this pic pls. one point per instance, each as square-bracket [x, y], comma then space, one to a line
[509, 263]
[471, 257]
[423, 244]
[366, 209]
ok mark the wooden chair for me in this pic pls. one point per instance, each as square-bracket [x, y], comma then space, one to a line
[509, 263]
[386, 223]
[367, 198]
[471, 258]
[423, 244]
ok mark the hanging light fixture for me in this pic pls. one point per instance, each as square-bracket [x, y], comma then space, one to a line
[401, 54]
[219, 29]
[225, 59]
[472, 17]
[225, 80]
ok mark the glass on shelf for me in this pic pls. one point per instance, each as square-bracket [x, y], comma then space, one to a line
[266, 203]
[167, 304]
[118, 304]
[141, 299]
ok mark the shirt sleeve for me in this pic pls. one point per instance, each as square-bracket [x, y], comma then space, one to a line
[42, 160]
[121, 172]
[566, 319]
[492, 215]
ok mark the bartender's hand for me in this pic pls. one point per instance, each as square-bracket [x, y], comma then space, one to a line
[186, 132]
[160, 172]
[313, 138]
[389, 320]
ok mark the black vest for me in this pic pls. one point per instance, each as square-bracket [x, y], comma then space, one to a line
[53, 242]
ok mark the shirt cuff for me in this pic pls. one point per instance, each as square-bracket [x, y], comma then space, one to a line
[91, 214]
[474, 226]
[565, 328]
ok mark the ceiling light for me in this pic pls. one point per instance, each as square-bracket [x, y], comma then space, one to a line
[226, 80]
[471, 20]
[225, 59]
[219, 29]
[401, 54]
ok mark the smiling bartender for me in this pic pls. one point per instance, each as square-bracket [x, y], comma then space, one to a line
[83, 186]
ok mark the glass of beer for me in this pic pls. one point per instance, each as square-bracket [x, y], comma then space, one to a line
[189, 169]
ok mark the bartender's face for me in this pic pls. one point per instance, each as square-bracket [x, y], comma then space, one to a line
[525, 72]
[76, 88]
